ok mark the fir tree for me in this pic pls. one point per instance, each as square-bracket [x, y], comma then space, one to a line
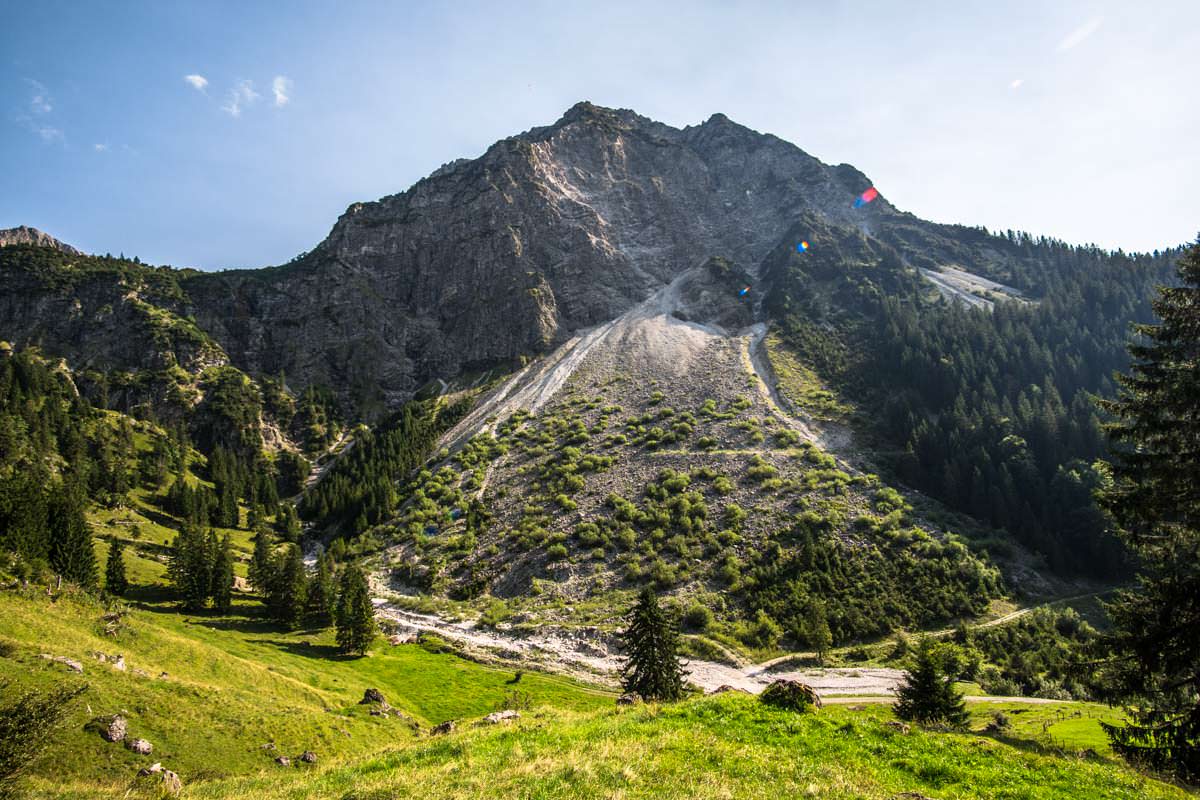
[222, 575]
[289, 588]
[1155, 499]
[355, 615]
[320, 593]
[927, 694]
[261, 566]
[115, 582]
[191, 567]
[71, 553]
[653, 669]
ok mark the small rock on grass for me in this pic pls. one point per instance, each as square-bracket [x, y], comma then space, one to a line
[139, 746]
[496, 717]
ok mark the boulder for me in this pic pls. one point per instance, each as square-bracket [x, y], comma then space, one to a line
[153, 769]
[496, 717]
[897, 725]
[112, 729]
[308, 757]
[725, 687]
[69, 663]
[790, 695]
[118, 663]
[283, 761]
[140, 746]
[171, 784]
[372, 696]
[446, 727]
[630, 699]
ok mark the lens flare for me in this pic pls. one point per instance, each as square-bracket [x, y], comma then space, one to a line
[745, 291]
[800, 248]
[866, 197]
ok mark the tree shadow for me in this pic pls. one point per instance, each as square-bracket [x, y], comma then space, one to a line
[325, 652]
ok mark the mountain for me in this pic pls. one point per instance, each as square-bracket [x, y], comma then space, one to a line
[26, 235]
[598, 355]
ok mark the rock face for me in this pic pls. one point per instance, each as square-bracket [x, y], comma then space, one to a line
[553, 230]
[27, 235]
[484, 262]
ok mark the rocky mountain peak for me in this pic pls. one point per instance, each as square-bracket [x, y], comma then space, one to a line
[23, 234]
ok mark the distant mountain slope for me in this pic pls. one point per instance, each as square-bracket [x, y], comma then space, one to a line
[26, 235]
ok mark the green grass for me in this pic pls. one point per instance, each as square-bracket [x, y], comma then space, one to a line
[233, 684]
[728, 746]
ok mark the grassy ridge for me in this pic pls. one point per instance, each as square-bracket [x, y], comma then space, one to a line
[727, 746]
[232, 685]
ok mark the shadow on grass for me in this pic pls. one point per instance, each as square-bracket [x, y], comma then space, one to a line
[1041, 748]
[325, 652]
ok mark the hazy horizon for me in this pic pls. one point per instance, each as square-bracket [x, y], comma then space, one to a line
[218, 136]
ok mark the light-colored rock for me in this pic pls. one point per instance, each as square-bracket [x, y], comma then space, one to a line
[497, 717]
[139, 746]
[171, 783]
[113, 729]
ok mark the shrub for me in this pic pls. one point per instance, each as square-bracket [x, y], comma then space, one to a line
[697, 617]
[763, 632]
[26, 725]
[556, 552]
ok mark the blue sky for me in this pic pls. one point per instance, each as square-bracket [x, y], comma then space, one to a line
[1073, 119]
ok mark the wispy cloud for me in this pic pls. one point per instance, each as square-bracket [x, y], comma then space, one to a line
[241, 96]
[1016, 84]
[100, 148]
[1081, 33]
[197, 82]
[40, 102]
[282, 87]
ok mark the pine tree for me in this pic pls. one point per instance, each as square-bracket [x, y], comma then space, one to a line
[927, 694]
[653, 669]
[355, 615]
[71, 553]
[1155, 499]
[261, 565]
[320, 593]
[289, 588]
[817, 632]
[222, 575]
[191, 567]
[115, 582]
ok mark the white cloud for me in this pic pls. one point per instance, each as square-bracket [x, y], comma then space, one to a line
[40, 101]
[197, 82]
[241, 96]
[282, 87]
[1081, 33]
[48, 133]
[1016, 84]
[100, 148]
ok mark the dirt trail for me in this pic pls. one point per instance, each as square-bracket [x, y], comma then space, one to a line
[587, 653]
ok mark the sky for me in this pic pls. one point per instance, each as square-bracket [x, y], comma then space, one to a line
[219, 135]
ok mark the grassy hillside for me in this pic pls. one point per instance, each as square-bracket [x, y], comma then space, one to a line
[726, 746]
[208, 692]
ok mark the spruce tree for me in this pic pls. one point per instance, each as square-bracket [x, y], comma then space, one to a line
[289, 588]
[71, 553]
[1154, 497]
[355, 615]
[320, 593]
[653, 669]
[222, 575]
[115, 582]
[190, 568]
[261, 564]
[927, 694]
